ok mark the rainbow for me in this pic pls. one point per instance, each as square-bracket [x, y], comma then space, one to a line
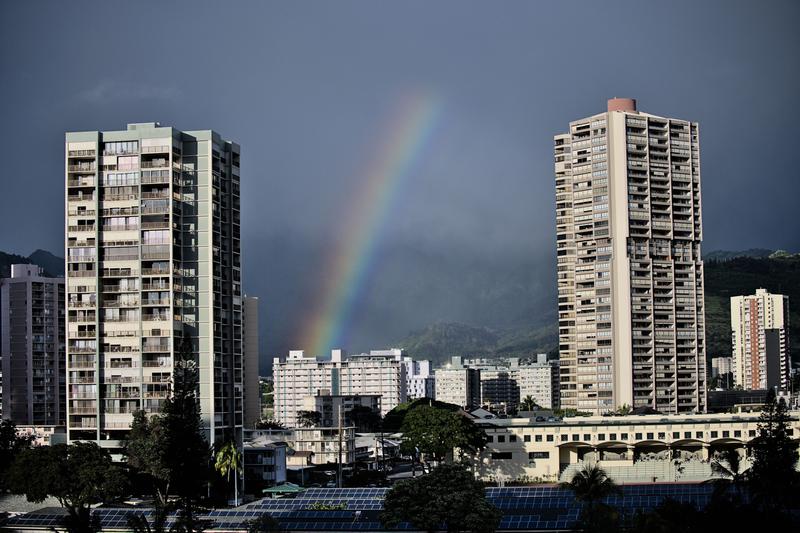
[349, 267]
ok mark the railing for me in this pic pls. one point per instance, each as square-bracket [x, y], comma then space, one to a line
[156, 149]
[82, 168]
[82, 228]
[157, 163]
[161, 224]
[120, 227]
[81, 153]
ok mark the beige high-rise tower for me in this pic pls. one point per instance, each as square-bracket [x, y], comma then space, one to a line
[630, 273]
[153, 274]
[760, 336]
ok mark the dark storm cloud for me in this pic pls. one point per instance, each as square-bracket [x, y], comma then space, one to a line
[305, 88]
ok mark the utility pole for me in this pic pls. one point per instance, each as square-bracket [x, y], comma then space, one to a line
[339, 473]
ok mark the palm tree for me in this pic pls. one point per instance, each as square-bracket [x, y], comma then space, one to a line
[729, 473]
[590, 485]
[528, 403]
[229, 459]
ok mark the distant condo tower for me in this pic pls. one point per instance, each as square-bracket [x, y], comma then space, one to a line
[630, 273]
[760, 335]
[153, 271]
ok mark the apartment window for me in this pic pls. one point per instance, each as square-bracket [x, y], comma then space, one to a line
[699, 435]
[624, 436]
[550, 438]
[687, 434]
[512, 438]
[538, 438]
[501, 455]
[576, 438]
[489, 438]
[564, 438]
[538, 455]
[676, 435]
[726, 434]
[662, 435]
[638, 436]
[649, 436]
[737, 434]
[714, 434]
[601, 436]
[501, 438]
[612, 436]
[586, 437]
[527, 438]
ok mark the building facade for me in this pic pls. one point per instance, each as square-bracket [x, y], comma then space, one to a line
[252, 387]
[539, 380]
[153, 276]
[336, 409]
[630, 448]
[458, 384]
[300, 376]
[32, 348]
[420, 382]
[760, 340]
[630, 273]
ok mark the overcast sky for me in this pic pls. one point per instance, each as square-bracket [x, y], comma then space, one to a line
[306, 88]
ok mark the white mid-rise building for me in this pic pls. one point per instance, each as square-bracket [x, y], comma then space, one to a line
[420, 381]
[760, 335]
[539, 380]
[458, 384]
[630, 270]
[300, 375]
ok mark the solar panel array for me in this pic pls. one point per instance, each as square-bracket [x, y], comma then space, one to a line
[524, 508]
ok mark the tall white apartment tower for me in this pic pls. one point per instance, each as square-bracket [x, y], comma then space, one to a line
[760, 338]
[630, 273]
[153, 274]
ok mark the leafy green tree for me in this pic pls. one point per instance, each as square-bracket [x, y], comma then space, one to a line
[269, 424]
[773, 478]
[77, 475]
[11, 444]
[170, 448]
[145, 450]
[363, 418]
[438, 432]
[448, 498]
[309, 419]
[229, 460]
[591, 485]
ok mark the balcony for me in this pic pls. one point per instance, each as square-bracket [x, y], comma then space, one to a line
[81, 182]
[82, 153]
[155, 163]
[82, 167]
[84, 227]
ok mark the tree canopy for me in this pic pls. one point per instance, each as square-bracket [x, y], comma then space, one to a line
[448, 498]
[77, 475]
[11, 444]
[169, 448]
[437, 432]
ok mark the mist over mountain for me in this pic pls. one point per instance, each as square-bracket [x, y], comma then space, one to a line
[438, 303]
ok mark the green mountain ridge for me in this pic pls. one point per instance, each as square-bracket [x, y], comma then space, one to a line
[726, 274]
[53, 265]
